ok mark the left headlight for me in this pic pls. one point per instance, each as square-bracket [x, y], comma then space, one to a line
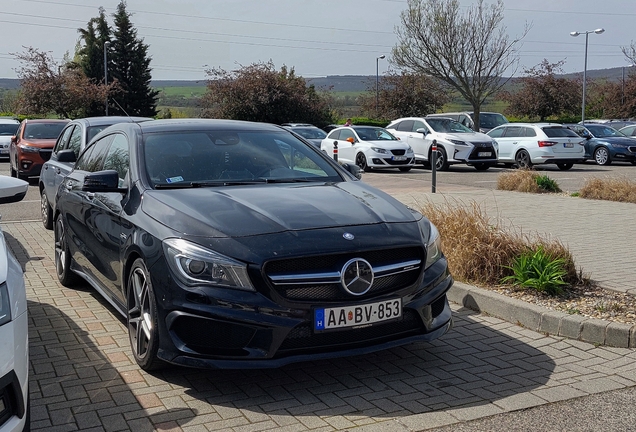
[458, 142]
[434, 247]
[195, 265]
[5, 305]
[379, 150]
[29, 149]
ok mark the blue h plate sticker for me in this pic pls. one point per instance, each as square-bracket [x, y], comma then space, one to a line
[319, 318]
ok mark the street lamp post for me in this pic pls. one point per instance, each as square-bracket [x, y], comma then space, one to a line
[377, 80]
[106, 45]
[575, 34]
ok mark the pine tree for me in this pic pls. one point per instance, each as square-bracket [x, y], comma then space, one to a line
[131, 68]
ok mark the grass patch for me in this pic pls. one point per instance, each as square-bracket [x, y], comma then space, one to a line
[482, 252]
[621, 189]
[526, 180]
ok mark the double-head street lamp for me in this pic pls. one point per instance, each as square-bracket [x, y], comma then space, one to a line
[377, 79]
[106, 46]
[586, 33]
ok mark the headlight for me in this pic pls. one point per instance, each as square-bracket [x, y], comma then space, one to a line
[379, 150]
[433, 248]
[409, 149]
[458, 142]
[495, 144]
[29, 149]
[195, 265]
[622, 146]
[5, 305]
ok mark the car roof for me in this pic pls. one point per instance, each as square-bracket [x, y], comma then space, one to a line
[169, 125]
[7, 120]
[109, 120]
[46, 120]
[298, 124]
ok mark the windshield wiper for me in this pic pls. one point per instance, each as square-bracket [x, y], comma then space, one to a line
[186, 185]
[288, 180]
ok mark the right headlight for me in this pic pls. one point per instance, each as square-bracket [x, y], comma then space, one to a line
[5, 305]
[433, 248]
[195, 265]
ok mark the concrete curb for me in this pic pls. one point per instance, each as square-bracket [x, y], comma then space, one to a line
[533, 317]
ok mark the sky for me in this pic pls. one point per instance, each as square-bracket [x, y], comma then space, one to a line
[315, 37]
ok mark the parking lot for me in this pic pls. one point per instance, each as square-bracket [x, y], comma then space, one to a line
[83, 376]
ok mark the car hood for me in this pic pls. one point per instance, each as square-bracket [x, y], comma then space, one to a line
[466, 136]
[41, 143]
[239, 211]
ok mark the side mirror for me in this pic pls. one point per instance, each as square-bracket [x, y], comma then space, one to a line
[422, 131]
[351, 140]
[67, 155]
[353, 169]
[102, 181]
[14, 139]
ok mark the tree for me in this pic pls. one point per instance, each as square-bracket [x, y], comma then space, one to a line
[48, 87]
[259, 92]
[469, 51]
[130, 67]
[630, 52]
[404, 94]
[543, 94]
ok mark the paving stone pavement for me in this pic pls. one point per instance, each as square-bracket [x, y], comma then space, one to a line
[83, 376]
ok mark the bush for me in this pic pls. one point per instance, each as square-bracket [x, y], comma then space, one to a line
[538, 270]
[623, 190]
[526, 180]
[481, 252]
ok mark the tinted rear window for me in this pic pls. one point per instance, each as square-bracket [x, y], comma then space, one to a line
[8, 129]
[559, 132]
[43, 130]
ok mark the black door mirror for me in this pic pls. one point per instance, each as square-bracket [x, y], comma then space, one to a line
[66, 156]
[102, 181]
[353, 169]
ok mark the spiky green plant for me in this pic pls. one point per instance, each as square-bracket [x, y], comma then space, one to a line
[538, 270]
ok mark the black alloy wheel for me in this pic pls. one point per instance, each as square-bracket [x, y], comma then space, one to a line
[564, 166]
[63, 256]
[142, 320]
[441, 163]
[361, 161]
[47, 211]
[602, 156]
[522, 158]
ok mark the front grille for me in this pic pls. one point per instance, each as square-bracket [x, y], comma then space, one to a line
[632, 149]
[303, 336]
[403, 162]
[481, 148]
[326, 287]
[45, 154]
[207, 336]
[398, 152]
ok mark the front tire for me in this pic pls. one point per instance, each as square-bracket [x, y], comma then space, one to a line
[63, 256]
[142, 319]
[441, 162]
[564, 166]
[405, 169]
[602, 156]
[361, 161]
[47, 211]
[522, 159]
[482, 167]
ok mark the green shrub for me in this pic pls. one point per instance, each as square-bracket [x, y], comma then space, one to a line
[546, 183]
[538, 270]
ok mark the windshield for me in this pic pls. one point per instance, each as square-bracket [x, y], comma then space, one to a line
[208, 158]
[310, 133]
[491, 120]
[374, 134]
[8, 129]
[604, 131]
[43, 130]
[444, 125]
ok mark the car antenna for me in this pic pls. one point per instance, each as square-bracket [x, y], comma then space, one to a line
[120, 107]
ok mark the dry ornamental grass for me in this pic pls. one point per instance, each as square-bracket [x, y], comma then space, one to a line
[622, 190]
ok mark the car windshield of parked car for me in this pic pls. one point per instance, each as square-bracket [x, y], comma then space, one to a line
[604, 131]
[491, 120]
[374, 134]
[444, 125]
[43, 130]
[310, 133]
[209, 158]
[8, 129]
[559, 132]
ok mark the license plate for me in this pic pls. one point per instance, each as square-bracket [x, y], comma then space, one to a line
[484, 154]
[360, 315]
[399, 158]
[4, 151]
[568, 145]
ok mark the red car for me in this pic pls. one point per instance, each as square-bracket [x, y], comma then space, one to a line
[32, 146]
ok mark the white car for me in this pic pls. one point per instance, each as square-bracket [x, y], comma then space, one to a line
[455, 142]
[8, 128]
[527, 144]
[14, 339]
[369, 147]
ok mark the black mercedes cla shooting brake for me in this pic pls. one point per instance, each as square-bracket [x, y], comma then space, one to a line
[230, 244]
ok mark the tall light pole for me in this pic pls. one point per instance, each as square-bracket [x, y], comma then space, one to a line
[377, 80]
[106, 46]
[575, 34]
[623, 86]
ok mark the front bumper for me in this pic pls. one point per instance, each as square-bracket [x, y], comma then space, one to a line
[228, 329]
[14, 362]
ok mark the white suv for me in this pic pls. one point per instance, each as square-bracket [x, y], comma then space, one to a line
[8, 128]
[455, 142]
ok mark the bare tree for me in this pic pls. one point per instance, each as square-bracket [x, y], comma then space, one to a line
[630, 52]
[470, 51]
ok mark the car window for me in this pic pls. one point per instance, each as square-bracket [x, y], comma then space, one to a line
[419, 125]
[513, 132]
[446, 125]
[334, 135]
[75, 142]
[629, 130]
[600, 131]
[529, 132]
[43, 130]
[92, 159]
[63, 139]
[94, 130]
[374, 134]
[8, 129]
[496, 133]
[405, 126]
[217, 157]
[559, 132]
[310, 133]
[492, 120]
[345, 134]
[117, 157]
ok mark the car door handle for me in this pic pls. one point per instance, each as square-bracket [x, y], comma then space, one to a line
[90, 195]
[57, 170]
